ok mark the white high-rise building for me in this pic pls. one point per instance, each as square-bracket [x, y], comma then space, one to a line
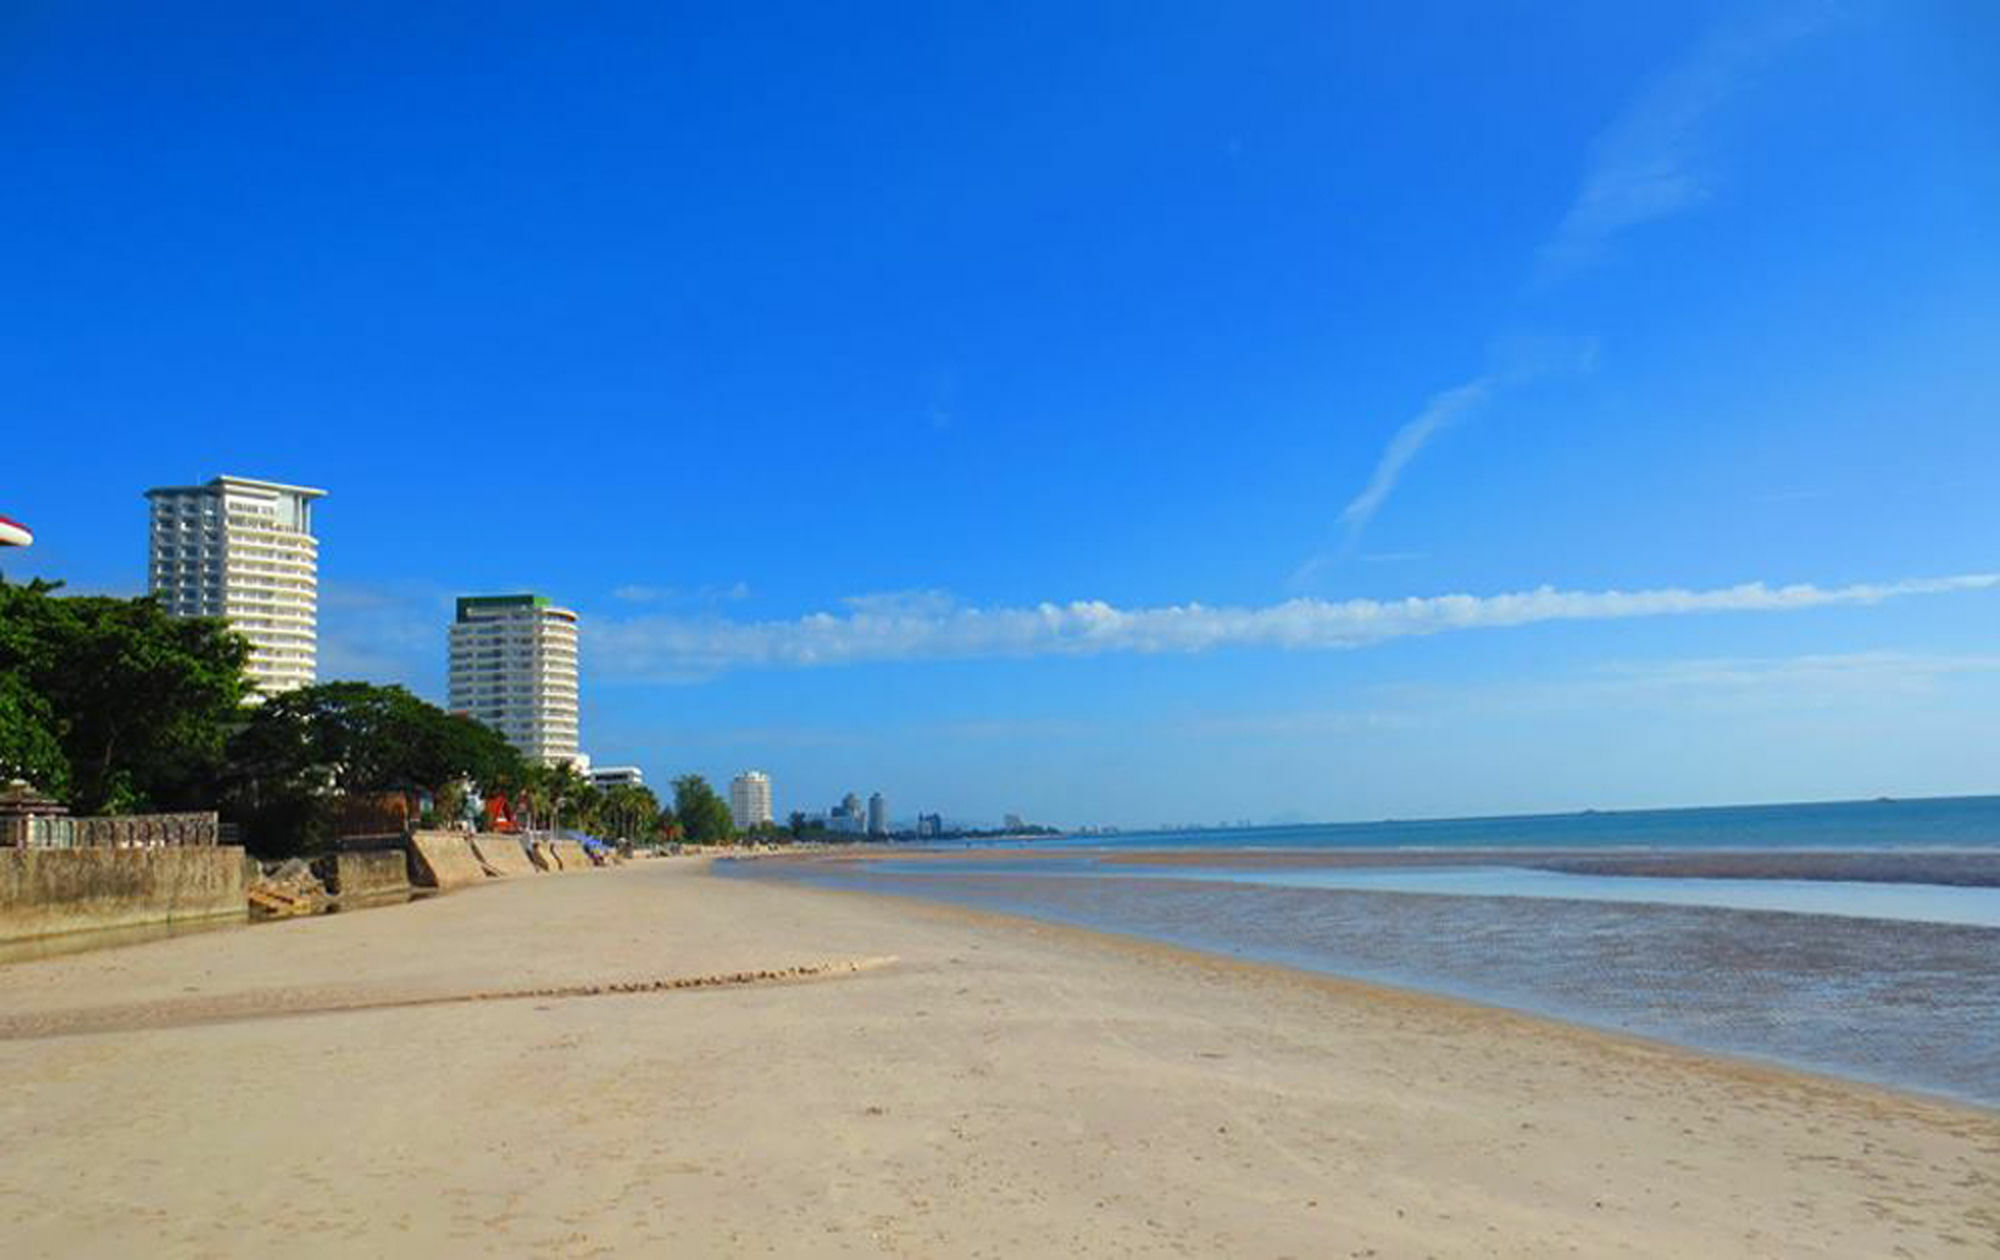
[513, 667]
[878, 815]
[243, 550]
[750, 799]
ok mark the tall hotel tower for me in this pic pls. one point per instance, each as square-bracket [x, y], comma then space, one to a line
[513, 666]
[244, 550]
[750, 799]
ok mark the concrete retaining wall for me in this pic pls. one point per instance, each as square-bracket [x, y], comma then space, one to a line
[443, 859]
[571, 855]
[46, 891]
[503, 853]
[371, 872]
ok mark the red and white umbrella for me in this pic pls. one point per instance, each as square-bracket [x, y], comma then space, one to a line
[14, 534]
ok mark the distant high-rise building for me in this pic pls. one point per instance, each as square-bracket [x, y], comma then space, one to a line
[847, 816]
[1014, 823]
[513, 667]
[878, 815]
[930, 826]
[243, 550]
[750, 799]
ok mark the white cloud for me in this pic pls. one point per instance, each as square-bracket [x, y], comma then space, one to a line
[1643, 167]
[1816, 677]
[1441, 410]
[384, 632]
[931, 626]
[1644, 164]
[640, 593]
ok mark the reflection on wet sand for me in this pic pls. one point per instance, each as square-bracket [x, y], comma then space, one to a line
[1902, 1003]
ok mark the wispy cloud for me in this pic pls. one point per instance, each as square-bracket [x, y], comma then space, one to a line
[1646, 165]
[1441, 410]
[1643, 167]
[1788, 688]
[931, 626]
[384, 632]
[640, 593]
[1823, 676]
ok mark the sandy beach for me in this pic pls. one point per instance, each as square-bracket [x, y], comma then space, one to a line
[652, 1061]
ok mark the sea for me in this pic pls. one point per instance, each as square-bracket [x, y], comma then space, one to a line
[1859, 939]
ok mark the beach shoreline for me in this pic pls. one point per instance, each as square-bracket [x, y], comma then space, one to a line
[813, 1071]
[1361, 989]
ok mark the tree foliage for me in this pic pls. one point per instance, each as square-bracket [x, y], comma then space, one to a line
[138, 703]
[363, 738]
[548, 797]
[28, 747]
[629, 812]
[303, 749]
[703, 816]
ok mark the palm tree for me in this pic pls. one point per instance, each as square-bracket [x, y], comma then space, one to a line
[564, 786]
[532, 797]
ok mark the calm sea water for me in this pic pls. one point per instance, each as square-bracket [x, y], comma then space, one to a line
[1896, 982]
[1959, 822]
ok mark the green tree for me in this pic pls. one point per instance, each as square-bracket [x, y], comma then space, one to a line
[367, 738]
[630, 812]
[550, 797]
[28, 747]
[140, 703]
[301, 750]
[703, 816]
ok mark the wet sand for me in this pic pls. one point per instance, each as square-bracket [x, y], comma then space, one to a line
[653, 1061]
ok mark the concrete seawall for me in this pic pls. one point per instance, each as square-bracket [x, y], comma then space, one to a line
[47, 891]
[443, 859]
[503, 854]
[371, 873]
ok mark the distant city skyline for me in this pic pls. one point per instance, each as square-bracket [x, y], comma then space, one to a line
[1139, 430]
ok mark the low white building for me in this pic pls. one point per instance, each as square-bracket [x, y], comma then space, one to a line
[617, 776]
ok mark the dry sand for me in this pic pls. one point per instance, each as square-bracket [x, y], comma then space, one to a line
[935, 1083]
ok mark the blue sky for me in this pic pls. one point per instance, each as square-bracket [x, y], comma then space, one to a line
[1004, 406]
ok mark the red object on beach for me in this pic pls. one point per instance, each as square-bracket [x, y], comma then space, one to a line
[498, 817]
[14, 534]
